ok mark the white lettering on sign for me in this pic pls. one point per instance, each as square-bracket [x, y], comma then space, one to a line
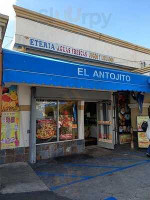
[95, 74]
[104, 75]
[128, 78]
[36, 43]
[85, 73]
[82, 72]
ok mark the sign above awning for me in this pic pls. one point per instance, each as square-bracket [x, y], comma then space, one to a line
[60, 48]
[36, 70]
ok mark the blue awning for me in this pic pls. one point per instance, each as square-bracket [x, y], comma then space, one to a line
[36, 70]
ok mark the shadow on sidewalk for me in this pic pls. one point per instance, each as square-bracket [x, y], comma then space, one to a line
[44, 195]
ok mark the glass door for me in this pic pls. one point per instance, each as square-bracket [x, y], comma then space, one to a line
[105, 125]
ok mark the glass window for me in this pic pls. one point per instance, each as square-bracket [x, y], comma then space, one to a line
[68, 120]
[46, 121]
[105, 132]
[56, 121]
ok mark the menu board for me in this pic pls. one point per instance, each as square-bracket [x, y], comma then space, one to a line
[143, 141]
[10, 130]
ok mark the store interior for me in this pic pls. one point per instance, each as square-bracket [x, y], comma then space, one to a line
[124, 117]
[90, 123]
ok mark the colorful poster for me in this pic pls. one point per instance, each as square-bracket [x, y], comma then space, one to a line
[10, 130]
[125, 138]
[124, 113]
[10, 99]
[105, 137]
[140, 120]
[46, 129]
[143, 141]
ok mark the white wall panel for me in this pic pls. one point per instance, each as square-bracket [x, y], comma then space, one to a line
[24, 128]
[24, 96]
[33, 29]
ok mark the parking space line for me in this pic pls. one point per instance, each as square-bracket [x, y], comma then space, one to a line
[136, 164]
[90, 166]
[62, 175]
[101, 174]
[53, 188]
[85, 179]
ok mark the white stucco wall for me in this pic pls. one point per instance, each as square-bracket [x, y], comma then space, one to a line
[24, 127]
[27, 28]
[81, 120]
[24, 96]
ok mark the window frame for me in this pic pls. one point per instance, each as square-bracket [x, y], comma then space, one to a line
[57, 122]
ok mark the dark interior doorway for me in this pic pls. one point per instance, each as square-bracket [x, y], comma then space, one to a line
[90, 123]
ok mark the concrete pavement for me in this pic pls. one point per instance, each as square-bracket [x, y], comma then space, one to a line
[120, 174]
[43, 195]
[19, 177]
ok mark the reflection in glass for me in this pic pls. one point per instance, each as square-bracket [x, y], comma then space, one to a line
[68, 120]
[49, 115]
[46, 121]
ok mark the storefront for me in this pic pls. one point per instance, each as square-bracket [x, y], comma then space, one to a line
[62, 95]
[69, 88]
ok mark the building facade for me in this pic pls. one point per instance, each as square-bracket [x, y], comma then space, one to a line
[3, 25]
[66, 87]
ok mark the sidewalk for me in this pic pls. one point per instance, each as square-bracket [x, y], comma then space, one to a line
[20, 182]
[19, 177]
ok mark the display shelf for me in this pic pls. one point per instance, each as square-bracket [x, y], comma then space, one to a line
[106, 123]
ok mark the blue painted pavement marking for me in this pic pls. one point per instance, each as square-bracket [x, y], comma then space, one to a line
[111, 198]
[62, 175]
[98, 175]
[53, 188]
[92, 166]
